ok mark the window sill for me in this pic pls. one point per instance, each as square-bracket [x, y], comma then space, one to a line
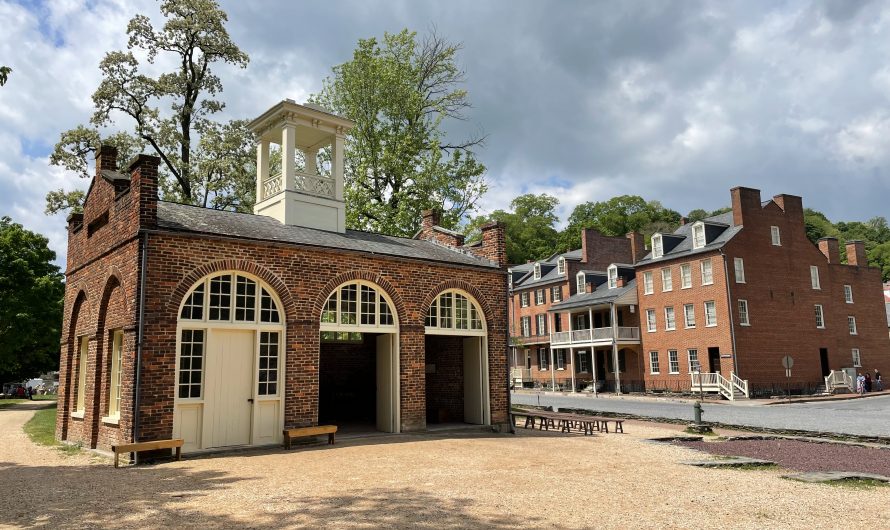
[654, 373]
[111, 420]
[745, 325]
[670, 329]
[651, 330]
[689, 327]
[853, 334]
[667, 290]
[820, 327]
[711, 325]
[705, 284]
[686, 287]
[560, 369]
[77, 414]
[673, 373]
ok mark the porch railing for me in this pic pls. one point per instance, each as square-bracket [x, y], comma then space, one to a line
[581, 336]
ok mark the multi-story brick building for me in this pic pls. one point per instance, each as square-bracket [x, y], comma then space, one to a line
[222, 328]
[736, 293]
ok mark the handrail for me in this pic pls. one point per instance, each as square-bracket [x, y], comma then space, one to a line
[561, 337]
[838, 378]
[725, 387]
[739, 383]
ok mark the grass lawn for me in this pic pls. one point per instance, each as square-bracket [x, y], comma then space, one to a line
[37, 397]
[42, 430]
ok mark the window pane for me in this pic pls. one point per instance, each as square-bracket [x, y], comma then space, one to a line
[432, 316]
[269, 310]
[194, 304]
[348, 304]
[268, 370]
[368, 305]
[462, 316]
[191, 353]
[445, 311]
[329, 314]
[220, 297]
[245, 299]
[386, 318]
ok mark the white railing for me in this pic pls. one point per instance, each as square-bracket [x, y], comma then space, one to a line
[837, 379]
[602, 334]
[561, 337]
[714, 382]
[630, 333]
[708, 380]
[740, 383]
[594, 335]
[521, 374]
[581, 335]
[726, 388]
[272, 186]
[318, 185]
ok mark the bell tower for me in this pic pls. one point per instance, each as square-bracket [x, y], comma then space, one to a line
[308, 194]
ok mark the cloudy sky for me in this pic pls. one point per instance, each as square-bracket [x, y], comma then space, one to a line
[674, 101]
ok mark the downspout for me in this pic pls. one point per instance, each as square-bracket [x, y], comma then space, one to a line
[613, 316]
[141, 318]
[735, 358]
[510, 315]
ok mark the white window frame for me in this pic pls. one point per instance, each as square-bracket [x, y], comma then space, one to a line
[560, 359]
[657, 246]
[654, 367]
[561, 266]
[710, 316]
[670, 321]
[776, 236]
[539, 296]
[612, 274]
[525, 326]
[851, 324]
[739, 266]
[707, 278]
[814, 277]
[744, 319]
[556, 293]
[648, 283]
[541, 324]
[581, 357]
[689, 310]
[685, 276]
[848, 294]
[820, 316]
[543, 360]
[857, 358]
[523, 299]
[698, 235]
[673, 362]
[694, 363]
[537, 271]
[581, 283]
[651, 322]
[114, 389]
[667, 280]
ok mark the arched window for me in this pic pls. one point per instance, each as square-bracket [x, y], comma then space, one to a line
[358, 306]
[230, 297]
[455, 312]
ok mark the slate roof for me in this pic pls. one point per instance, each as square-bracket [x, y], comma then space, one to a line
[600, 296]
[549, 269]
[186, 218]
[684, 247]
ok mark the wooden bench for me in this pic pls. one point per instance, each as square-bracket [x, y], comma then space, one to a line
[147, 446]
[301, 432]
[546, 420]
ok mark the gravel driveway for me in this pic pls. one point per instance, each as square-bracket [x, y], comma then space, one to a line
[443, 481]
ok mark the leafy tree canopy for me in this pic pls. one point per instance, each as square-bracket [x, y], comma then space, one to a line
[31, 293]
[401, 92]
[4, 74]
[169, 114]
[530, 227]
[616, 217]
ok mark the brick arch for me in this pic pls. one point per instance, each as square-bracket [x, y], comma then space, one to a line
[79, 308]
[271, 279]
[113, 280]
[462, 286]
[377, 279]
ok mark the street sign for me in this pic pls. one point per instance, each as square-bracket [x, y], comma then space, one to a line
[787, 362]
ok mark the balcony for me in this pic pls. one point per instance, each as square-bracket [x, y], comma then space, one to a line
[518, 341]
[595, 336]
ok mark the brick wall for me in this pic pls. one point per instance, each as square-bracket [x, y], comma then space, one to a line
[445, 386]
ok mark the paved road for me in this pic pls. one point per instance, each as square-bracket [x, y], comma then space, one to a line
[869, 416]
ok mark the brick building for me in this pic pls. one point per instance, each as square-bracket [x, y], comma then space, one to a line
[735, 293]
[222, 328]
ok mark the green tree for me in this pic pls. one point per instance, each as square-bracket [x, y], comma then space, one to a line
[4, 74]
[31, 293]
[880, 257]
[616, 217]
[817, 225]
[697, 215]
[529, 226]
[171, 111]
[401, 94]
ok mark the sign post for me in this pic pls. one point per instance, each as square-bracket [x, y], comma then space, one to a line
[788, 362]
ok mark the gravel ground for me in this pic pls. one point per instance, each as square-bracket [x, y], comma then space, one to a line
[439, 481]
[803, 456]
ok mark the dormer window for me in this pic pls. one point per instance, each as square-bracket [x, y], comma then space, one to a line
[537, 271]
[657, 247]
[561, 266]
[613, 276]
[581, 283]
[698, 235]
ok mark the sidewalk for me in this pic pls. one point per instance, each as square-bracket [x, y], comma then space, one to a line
[711, 399]
[834, 397]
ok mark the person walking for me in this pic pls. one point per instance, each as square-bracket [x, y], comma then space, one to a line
[860, 384]
[867, 382]
[879, 383]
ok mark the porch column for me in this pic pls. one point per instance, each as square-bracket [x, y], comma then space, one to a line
[614, 318]
[572, 364]
[288, 147]
[262, 168]
[552, 371]
[593, 367]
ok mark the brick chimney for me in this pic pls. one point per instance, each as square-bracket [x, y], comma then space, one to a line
[431, 218]
[792, 205]
[106, 158]
[620, 281]
[494, 243]
[637, 246]
[856, 253]
[745, 203]
[144, 186]
[829, 246]
[683, 221]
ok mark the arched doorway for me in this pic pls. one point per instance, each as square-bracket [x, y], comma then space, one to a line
[230, 360]
[457, 360]
[359, 359]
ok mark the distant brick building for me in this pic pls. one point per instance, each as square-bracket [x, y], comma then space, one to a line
[222, 328]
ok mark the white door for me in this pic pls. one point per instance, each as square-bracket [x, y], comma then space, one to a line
[229, 400]
[474, 408]
[385, 383]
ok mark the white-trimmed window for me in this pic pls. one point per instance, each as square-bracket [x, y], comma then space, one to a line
[776, 236]
[710, 314]
[114, 391]
[820, 318]
[191, 363]
[698, 235]
[543, 359]
[537, 271]
[650, 320]
[673, 362]
[541, 322]
[539, 297]
[450, 311]
[362, 305]
[82, 356]
[581, 356]
[560, 358]
[670, 322]
[581, 283]
[561, 265]
[612, 274]
[222, 306]
[707, 272]
[657, 246]
[814, 277]
[685, 276]
[268, 367]
[739, 264]
[653, 363]
[526, 325]
[694, 365]
[523, 299]
[848, 294]
[667, 280]
[857, 360]
[851, 324]
[556, 293]
[743, 313]
[648, 286]
[689, 315]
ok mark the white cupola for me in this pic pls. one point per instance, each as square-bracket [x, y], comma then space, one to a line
[309, 196]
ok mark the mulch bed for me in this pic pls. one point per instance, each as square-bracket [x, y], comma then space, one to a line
[803, 456]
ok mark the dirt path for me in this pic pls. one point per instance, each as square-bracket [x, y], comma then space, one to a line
[443, 481]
